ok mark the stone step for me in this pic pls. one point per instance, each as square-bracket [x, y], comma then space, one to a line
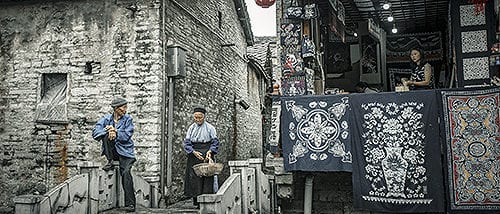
[145, 210]
[185, 206]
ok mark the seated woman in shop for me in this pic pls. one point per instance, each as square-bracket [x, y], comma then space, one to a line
[421, 75]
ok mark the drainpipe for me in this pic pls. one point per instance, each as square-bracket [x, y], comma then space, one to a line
[170, 121]
[308, 195]
[234, 153]
[163, 100]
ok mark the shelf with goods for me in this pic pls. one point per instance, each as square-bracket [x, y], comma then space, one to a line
[495, 52]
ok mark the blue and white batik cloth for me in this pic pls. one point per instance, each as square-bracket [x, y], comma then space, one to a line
[396, 148]
[315, 133]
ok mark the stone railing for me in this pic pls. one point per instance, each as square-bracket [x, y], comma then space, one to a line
[247, 190]
[283, 179]
[92, 191]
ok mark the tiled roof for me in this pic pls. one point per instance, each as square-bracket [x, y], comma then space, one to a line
[259, 50]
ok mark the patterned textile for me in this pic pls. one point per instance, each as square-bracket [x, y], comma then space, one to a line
[275, 125]
[315, 133]
[396, 166]
[472, 128]
[399, 45]
[293, 85]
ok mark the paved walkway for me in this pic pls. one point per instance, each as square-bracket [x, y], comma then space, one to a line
[177, 208]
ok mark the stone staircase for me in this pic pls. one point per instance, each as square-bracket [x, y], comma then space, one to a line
[247, 190]
[186, 207]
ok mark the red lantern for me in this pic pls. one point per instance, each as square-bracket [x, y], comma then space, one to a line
[265, 3]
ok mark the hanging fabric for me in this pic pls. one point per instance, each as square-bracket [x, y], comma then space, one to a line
[478, 5]
[308, 47]
[294, 11]
[310, 11]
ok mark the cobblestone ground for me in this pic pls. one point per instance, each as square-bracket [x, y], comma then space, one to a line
[179, 207]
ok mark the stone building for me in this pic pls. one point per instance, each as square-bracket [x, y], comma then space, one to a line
[61, 63]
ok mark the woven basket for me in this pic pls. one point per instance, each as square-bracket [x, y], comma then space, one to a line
[208, 169]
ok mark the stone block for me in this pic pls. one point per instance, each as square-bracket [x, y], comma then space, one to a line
[284, 179]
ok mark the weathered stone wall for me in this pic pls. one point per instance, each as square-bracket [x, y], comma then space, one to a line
[120, 40]
[216, 75]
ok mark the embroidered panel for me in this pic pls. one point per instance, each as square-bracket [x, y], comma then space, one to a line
[273, 137]
[397, 46]
[472, 121]
[476, 68]
[291, 64]
[315, 133]
[468, 16]
[293, 85]
[290, 36]
[474, 41]
[396, 152]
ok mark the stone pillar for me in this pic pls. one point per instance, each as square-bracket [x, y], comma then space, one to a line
[28, 204]
[256, 163]
[210, 203]
[91, 168]
[308, 192]
[241, 167]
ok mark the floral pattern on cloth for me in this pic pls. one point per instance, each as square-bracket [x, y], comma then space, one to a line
[315, 133]
[472, 128]
[397, 153]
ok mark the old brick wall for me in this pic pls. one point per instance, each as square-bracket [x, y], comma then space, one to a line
[120, 40]
[216, 75]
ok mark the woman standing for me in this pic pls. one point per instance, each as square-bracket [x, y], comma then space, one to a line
[201, 143]
[421, 75]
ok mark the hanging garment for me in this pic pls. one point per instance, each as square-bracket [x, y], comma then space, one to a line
[308, 47]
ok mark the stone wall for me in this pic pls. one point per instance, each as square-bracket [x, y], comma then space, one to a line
[119, 41]
[108, 49]
[216, 75]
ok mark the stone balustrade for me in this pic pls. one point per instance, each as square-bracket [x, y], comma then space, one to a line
[92, 191]
[247, 190]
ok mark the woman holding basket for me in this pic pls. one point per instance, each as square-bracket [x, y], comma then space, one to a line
[201, 144]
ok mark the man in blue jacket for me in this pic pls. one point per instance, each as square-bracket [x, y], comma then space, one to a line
[115, 131]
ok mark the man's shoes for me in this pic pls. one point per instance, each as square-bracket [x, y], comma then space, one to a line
[108, 166]
[130, 208]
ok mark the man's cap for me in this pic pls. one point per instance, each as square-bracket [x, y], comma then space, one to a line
[200, 109]
[117, 102]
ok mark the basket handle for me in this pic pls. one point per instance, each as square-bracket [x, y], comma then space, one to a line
[210, 160]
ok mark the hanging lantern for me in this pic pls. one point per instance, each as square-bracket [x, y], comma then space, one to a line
[265, 3]
[478, 5]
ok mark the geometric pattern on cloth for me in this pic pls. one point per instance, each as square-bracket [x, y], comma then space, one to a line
[472, 128]
[315, 133]
[476, 68]
[474, 41]
[468, 17]
[396, 167]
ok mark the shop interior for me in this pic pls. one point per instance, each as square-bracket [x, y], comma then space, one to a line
[370, 41]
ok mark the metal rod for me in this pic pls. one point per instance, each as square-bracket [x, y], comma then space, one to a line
[170, 134]
[163, 100]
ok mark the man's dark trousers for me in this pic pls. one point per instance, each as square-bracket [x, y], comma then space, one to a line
[125, 166]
